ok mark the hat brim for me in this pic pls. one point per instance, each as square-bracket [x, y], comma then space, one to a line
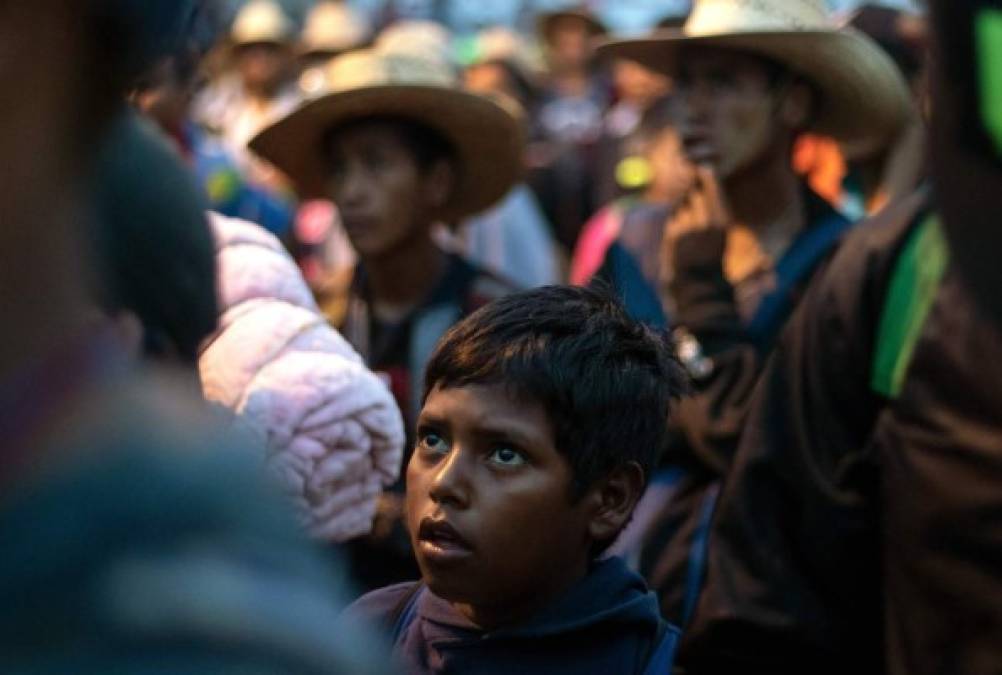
[864, 98]
[487, 139]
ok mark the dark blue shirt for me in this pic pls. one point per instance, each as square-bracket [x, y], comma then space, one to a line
[607, 623]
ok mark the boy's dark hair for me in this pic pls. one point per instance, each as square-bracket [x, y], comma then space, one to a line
[426, 144]
[606, 381]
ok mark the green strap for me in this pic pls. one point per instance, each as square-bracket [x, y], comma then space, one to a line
[910, 296]
[988, 46]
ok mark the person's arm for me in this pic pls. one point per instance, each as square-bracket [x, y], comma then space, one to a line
[712, 340]
[793, 561]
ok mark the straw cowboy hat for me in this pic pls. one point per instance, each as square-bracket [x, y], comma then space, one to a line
[864, 99]
[332, 28]
[485, 134]
[547, 20]
[418, 39]
[261, 21]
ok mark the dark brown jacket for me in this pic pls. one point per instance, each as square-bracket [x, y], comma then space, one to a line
[859, 533]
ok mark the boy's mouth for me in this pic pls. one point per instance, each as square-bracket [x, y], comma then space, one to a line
[440, 541]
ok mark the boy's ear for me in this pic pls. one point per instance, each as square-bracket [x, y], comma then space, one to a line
[614, 498]
[439, 183]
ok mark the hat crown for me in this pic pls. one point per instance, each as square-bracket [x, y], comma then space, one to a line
[334, 26]
[719, 17]
[261, 21]
[369, 68]
[418, 39]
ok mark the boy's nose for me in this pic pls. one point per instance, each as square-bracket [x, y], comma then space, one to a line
[450, 483]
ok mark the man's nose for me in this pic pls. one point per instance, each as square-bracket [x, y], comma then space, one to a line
[697, 100]
[350, 187]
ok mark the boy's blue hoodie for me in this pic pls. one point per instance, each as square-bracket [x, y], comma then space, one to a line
[607, 623]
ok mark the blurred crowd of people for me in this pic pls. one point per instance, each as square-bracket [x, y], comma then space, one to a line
[272, 236]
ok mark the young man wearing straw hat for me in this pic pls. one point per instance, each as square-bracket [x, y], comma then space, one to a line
[400, 148]
[860, 529]
[746, 241]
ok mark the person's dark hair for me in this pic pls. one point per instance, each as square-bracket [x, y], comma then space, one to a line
[156, 256]
[425, 144]
[607, 382]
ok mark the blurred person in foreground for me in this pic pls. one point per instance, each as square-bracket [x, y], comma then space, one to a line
[860, 530]
[574, 99]
[132, 534]
[513, 238]
[400, 148]
[746, 240]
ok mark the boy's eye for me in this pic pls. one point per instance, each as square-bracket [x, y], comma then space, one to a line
[507, 457]
[433, 442]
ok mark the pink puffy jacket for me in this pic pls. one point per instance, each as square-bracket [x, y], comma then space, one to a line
[332, 431]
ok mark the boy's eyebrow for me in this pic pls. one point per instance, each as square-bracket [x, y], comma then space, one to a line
[426, 418]
[509, 431]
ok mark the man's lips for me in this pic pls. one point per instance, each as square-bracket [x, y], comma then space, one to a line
[439, 540]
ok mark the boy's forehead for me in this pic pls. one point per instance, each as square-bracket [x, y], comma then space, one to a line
[488, 405]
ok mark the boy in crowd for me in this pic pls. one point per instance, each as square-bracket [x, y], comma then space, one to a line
[543, 416]
[398, 147]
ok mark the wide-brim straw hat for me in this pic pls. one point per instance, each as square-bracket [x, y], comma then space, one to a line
[485, 134]
[864, 98]
[262, 21]
[546, 21]
[334, 27]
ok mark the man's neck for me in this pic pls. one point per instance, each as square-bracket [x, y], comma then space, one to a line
[400, 280]
[766, 197]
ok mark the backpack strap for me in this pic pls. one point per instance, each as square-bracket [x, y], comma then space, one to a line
[794, 268]
[910, 296]
[663, 657]
[698, 551]
[405, 612]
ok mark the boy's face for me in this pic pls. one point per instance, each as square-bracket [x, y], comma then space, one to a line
[381, 193]
[489, 505]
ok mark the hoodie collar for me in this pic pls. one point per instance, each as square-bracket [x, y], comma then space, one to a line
[610, 593]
